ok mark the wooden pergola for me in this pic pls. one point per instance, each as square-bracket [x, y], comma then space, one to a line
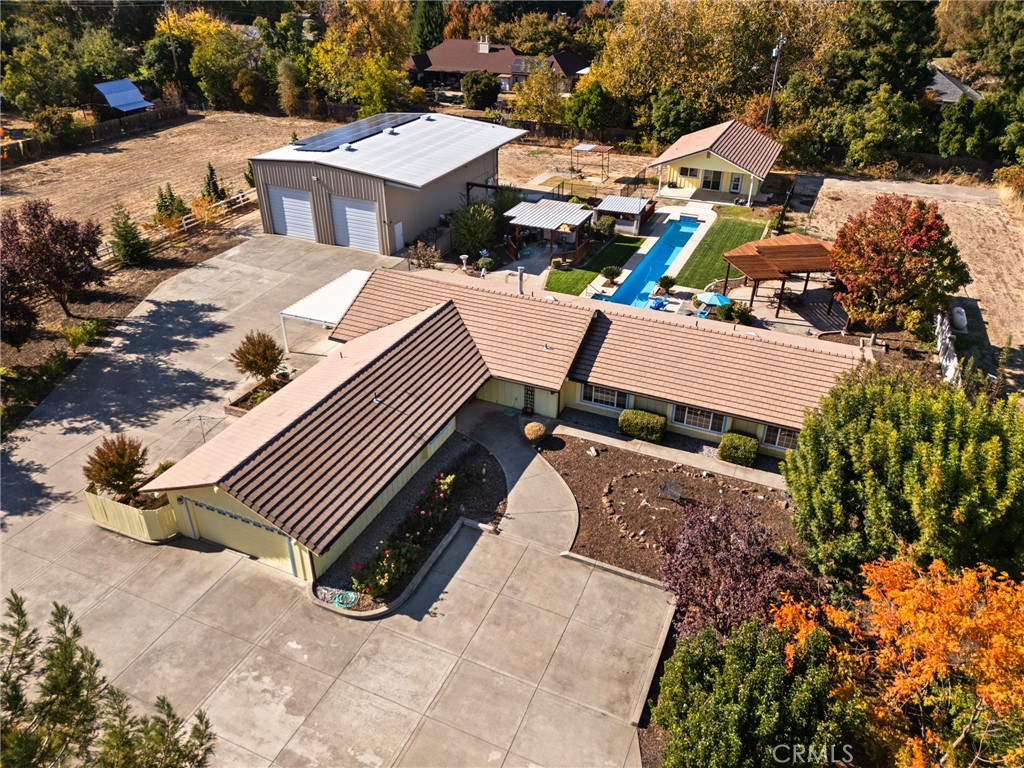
[778, 258]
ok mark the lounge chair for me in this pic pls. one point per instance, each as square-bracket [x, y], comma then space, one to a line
[705, 310]
[659, 303]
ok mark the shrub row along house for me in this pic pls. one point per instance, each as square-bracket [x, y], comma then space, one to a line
[377, 183]
[295, 481]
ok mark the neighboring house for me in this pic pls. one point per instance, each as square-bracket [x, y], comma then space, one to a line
[377, 183]
[452, 59]
[120, 98]
[947, 88]
[297, 479]
[730, 158]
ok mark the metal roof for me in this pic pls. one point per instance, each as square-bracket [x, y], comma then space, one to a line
[327, 304]
[414, 152]
[732, 141]
[619, 204]
[122, 95]
[548, 214]
[948, 88]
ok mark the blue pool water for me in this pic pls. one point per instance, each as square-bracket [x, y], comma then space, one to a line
[638, 285]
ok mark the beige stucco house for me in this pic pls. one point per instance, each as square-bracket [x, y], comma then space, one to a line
[731, 159]
[297, 479]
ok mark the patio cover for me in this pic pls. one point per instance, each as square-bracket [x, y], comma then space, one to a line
[326, 304]
[123, 95]
[777, 257]
[617, 204]
[548, 214]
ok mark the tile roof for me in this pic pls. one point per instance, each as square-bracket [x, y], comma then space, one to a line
[733, 141]
[568, 63]
[776, 257]
[522, 339]
[311, 457]
[761, 375]
[464, 56]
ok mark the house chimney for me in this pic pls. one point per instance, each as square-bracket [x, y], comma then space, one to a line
[484, 45]
[521, 270]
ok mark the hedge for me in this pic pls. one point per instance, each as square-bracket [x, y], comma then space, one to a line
[737, 448]
[643, 425]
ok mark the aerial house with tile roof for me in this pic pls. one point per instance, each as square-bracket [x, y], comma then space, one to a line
[725, 161]
[298, 478]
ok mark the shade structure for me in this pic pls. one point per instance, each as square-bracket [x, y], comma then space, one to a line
[713, 299]
[327, 304]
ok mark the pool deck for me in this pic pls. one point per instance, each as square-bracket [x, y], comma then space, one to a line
[654, 229]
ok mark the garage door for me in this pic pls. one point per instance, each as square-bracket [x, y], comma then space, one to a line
[251, 537]
[291, 212]
[355, 223]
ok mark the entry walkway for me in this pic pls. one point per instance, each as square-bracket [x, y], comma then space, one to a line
[540, 508]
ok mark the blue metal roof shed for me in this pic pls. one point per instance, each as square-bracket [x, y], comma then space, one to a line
[123, 96]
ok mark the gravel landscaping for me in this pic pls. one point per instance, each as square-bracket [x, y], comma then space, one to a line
[480, 497]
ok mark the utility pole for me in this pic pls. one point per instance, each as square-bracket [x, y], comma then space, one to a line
[777, 55]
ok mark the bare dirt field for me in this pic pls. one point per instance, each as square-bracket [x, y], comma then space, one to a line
[519, 163]
[990, 241]
[87, 182]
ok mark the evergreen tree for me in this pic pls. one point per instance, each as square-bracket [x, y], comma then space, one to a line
[427, 25]
[955, 127]
[480, 89]
[248, 174]
[57, 709]
[212, 190]
[130, 247]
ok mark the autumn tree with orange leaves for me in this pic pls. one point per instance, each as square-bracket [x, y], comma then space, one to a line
[939, 654]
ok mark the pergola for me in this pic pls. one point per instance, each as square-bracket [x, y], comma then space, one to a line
[556, 218]
[577, 153]
[777, 259]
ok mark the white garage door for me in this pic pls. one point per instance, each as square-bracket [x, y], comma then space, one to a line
[355, 223]
[291, 212]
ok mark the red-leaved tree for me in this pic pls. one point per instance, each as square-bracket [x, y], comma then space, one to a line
[896, 263]
[56, 256]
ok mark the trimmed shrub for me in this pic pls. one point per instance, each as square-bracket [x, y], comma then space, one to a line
[486, 263]
[611, 273]
[258, 355]
[80, 334]
[737, 448]
[605, 226]
[535, 432]
[643, 425]
[116, 465]
[380, 575]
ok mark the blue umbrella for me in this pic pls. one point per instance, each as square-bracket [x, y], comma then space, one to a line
[713, 299]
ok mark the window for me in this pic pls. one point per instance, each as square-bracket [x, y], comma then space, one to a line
[712, 180]
[737, 183]
[609, 398]
[780, 436]
[688, 173]
[698, 418]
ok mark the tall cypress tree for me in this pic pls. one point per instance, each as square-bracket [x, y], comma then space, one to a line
[427, 25]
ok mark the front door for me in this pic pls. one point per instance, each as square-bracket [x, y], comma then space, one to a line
[712, 180]
[736, 184]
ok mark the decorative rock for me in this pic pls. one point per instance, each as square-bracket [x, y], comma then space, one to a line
[592, 451]
[636, 490]
[760, 497]
[643, 533]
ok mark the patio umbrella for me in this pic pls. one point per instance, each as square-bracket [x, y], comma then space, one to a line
[713, 299]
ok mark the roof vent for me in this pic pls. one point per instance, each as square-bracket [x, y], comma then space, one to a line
[429, 118]
[348, 148]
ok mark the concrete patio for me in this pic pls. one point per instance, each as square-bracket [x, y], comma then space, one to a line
[508, 654]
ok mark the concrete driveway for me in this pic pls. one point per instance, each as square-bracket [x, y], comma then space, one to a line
[507, 655]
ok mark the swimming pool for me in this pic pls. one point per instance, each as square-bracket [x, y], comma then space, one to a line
[639, 283]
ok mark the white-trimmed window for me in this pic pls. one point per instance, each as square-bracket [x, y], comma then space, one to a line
[698, 418]
[692, 173]
[603, 396]
[780, 437]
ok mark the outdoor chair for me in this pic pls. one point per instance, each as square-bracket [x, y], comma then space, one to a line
[705, 310]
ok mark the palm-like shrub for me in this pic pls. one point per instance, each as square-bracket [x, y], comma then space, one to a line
[258, 355]
[611, 274]
[117, 465]
[666, 283]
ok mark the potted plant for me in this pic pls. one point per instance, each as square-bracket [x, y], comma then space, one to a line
[257, 355]
[666, 283]
[610, 274]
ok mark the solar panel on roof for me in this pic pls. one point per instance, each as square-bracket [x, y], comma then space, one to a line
[353, 132]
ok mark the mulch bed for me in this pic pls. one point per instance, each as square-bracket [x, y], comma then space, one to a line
[479, 495]
[120, 292]
[621, 496]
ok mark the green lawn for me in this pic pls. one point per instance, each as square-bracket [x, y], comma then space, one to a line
[706, 264]
[573, 281]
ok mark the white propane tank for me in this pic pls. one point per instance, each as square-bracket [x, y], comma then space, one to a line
[958, 318]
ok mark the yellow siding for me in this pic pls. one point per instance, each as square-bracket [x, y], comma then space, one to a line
[322, 562]
[145, 524]
[546, 403]
[272, 547]
[703, 162]
[502, 393]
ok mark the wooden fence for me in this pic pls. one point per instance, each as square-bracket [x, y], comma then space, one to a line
[15, 152]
